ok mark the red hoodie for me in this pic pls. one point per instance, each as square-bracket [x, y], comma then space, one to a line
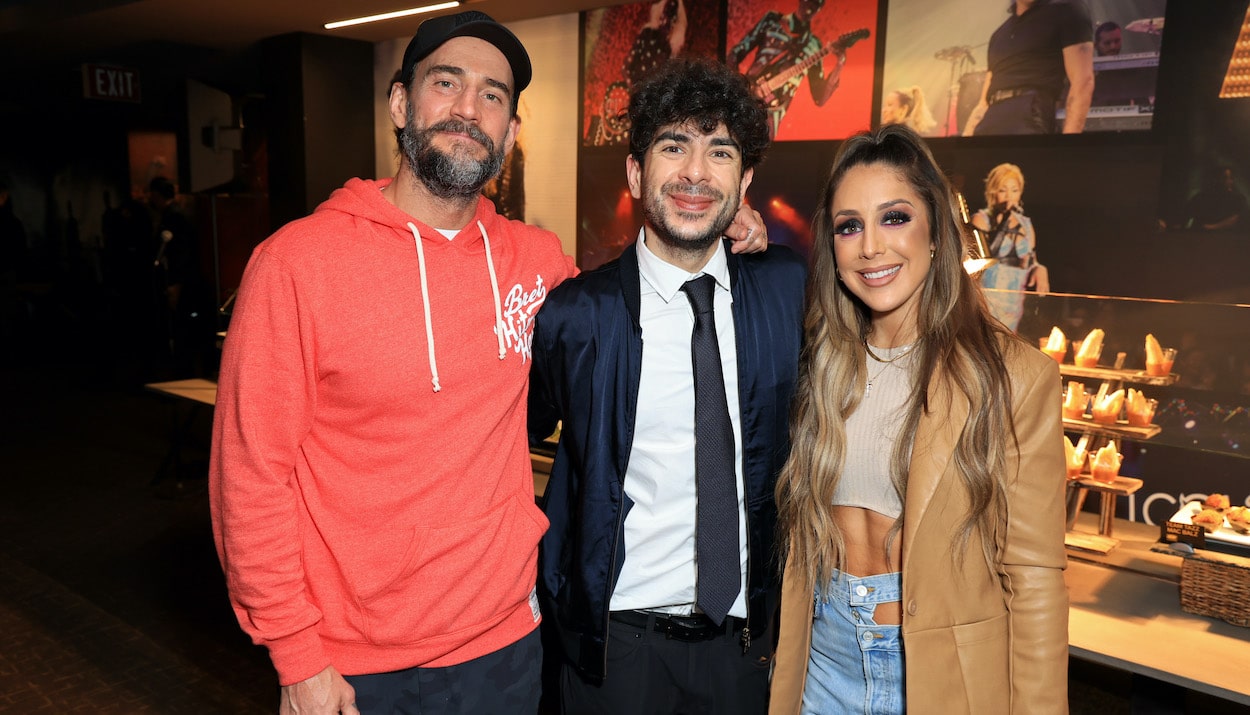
[372, 495]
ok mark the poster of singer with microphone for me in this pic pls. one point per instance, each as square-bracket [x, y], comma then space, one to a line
[1013, 244]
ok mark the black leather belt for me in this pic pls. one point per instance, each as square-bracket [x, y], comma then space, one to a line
[691, 629]
[1001, 94]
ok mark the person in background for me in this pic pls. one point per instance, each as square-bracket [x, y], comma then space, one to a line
[1218, 204]
[1039, 46]
[1013, 243]
[1108, 39]
[661, 37]
[178, 287]
[370, 483]
[12, 241]
[908, 106]
[12, 237]
[922, 506]
[12, 264]
[657, 568]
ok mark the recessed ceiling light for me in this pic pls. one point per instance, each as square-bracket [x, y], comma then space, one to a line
[392, 15]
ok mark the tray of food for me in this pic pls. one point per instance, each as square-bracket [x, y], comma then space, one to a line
[1222, 522]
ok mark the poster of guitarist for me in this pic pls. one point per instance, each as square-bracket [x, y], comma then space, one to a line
[782, 50]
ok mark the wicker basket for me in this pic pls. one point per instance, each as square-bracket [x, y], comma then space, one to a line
[1218, 586]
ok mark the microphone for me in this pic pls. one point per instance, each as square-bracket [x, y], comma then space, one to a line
[999, 213]
[166, 237]
[954, 53]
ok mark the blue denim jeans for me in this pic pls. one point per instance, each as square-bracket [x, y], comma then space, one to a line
[855, 665]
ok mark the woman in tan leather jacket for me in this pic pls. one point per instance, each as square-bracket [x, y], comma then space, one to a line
[922, 505]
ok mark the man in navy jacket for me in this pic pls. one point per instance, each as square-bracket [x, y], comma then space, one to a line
[612, 360]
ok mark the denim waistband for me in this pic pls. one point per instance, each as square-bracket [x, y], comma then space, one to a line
[862, 590]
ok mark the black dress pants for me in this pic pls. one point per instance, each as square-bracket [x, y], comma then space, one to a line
[651, 674]
[1028, 113]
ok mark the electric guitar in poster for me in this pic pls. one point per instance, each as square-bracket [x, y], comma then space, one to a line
[777, 84]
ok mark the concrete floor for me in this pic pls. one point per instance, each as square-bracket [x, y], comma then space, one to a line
[111, 599]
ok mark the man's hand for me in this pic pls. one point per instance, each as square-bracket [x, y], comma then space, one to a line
[748, 233]
[326, 693]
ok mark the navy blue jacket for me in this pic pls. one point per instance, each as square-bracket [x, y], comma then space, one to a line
[587, 365]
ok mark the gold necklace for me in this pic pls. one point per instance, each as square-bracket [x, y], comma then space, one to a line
[873, 355]
[885, 364]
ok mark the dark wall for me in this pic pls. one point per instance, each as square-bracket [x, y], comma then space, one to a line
[320, 110]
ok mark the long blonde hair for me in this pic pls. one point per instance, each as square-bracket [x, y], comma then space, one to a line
[956, 335]
[918, 116]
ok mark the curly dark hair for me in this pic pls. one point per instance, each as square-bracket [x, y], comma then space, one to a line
[702, 91]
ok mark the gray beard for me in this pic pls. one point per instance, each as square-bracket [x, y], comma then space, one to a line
[448, 176]
[653, 213]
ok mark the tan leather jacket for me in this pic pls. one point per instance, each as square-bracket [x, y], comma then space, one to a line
[978, 639]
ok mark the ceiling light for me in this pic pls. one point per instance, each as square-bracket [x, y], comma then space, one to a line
[392, 15]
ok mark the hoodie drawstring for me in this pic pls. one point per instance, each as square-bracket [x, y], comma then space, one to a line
[494, 286]
[425, 304]
[425, 301]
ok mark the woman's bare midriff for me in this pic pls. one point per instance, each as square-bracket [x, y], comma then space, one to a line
[864, 532]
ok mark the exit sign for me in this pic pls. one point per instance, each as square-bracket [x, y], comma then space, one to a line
[110, 82]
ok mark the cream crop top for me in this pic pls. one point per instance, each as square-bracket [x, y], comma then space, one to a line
[871, 433]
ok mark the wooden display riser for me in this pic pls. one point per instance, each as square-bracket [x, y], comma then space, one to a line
[1103, 541]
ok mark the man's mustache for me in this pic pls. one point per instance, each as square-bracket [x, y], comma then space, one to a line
[459, 127]
[676, 187]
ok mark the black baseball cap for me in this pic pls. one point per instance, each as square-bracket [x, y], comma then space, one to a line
[434, 32]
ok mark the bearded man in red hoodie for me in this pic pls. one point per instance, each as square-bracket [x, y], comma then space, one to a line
[371, 487]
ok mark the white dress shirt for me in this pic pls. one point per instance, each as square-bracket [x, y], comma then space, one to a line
[659, 573]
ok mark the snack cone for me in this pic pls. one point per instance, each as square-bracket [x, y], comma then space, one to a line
[1091, 348]
[1106, 464]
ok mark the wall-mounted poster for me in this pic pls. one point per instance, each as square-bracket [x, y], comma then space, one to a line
[811, 61]
[625, 43]
[943, 59]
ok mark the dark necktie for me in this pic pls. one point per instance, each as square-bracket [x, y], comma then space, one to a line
[716, 532]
